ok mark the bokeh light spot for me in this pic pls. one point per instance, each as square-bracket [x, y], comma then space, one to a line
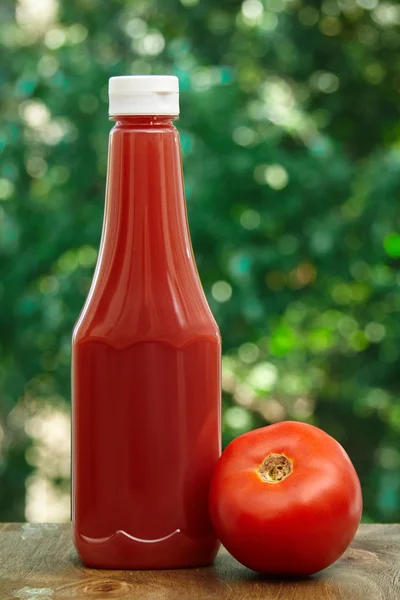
[275, 176]
[221, 291]
[47, 65]
[308, 16]
[55, 38]
[392, 244]
[244, 136]
[368, 4]
[151, 44]
[77, 33]
[36, 15]
[252, 10]
[136, 28]
[263, 376]
[250, 219]
[6, 189]
[87, 256]
[35, 113]
[325, 82]
[375, 332]
[248, 352]
[49, 285]
[237, 417]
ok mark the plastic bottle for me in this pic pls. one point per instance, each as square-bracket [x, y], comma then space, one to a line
[146, 357]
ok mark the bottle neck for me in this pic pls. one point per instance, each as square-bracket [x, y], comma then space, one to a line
[143, 120]
[145, 198]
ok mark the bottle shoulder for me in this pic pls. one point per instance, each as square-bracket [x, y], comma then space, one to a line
[127, 327]
[128, 337]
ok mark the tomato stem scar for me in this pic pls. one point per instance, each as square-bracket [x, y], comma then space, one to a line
[275, 468]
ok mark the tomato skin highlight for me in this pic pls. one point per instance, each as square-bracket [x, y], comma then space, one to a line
[299, 525]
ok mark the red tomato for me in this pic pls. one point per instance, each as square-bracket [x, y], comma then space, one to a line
[285, 499]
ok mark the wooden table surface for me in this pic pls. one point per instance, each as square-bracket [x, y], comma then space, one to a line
[38, 562]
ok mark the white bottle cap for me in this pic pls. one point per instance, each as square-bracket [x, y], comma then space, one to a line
[144, 95]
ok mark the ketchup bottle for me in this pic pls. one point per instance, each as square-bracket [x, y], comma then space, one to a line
[145, 357]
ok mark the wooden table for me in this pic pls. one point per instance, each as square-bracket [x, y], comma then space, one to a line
[38, 562]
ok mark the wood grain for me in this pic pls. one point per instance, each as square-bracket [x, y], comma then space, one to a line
[38, 562]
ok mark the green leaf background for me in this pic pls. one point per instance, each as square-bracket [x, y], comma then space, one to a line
[290, 132]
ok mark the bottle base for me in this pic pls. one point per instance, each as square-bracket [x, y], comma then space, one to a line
[122, 551]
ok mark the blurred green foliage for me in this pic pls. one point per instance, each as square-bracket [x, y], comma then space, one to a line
[290, 133]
